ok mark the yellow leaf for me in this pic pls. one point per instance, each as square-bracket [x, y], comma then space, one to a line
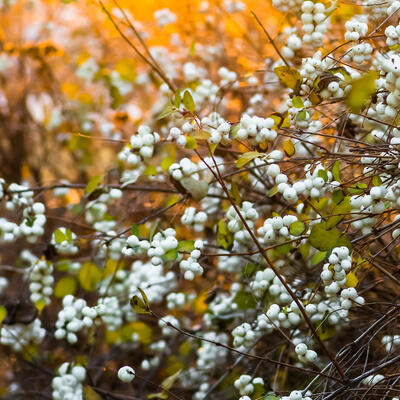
[90, 394]
[168, 382]
[246, 157]
[3, 313]
[89, 276]
[288, 147]
[351, 280]
[139, 305]
[361, 91]
[64, 286]
[143, 330]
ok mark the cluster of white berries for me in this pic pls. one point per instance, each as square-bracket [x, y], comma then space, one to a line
[162, 243]
[245, 384]
[296, 395]
[276, 229]
[235, 224]
[233, 6]
[393, 35]
[356, 28]
[391, 342]
[109, 310]
[20, 196]
[284, 317]
[359, 54]
[226, 76]
[190, 266]
[65, 244]
[257, 129]
[218, 128]
[293, 43]
[305, 354]
[176, 300]
[68, 384]
[166, 329]
[164, 17]
[315, 23]
[8, 230]
[156, 348]
[194, 218]
[74, 317]
[209, 356]
[362, 205]
[19, 335]
[41, 279]
[32, 226]
[185, 168]
[134, 246]
[244, 336]
[373, 380]
[143, 142]
[178, 135]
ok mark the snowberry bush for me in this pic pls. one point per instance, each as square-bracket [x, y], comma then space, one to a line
[183, 216]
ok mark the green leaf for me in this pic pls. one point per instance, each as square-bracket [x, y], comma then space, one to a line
[289, 77]
[297, 228]
[59, 236]
[318, 257]
[66, 285]
[337, 196]
[117, 98]
[186, 245]
[190, 143]
[246, 157]
[361, 91]
[358, 188]
[68, 235]
[338, 212]
[288, 148]
[322, 238]
[249, 270]
[244, 300]
[135, 230]
[376, 180]
[89, 276]
[297, 102]
[336, 171]
[284, 248]
[141, 306]
[197, 189]
[188, 101]
[177, 98]
[170, 255]
[323, 174]
[301, 115]
[273, 191]
[167, 110]
[224, 237]
[153, 230]
[93, 184]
